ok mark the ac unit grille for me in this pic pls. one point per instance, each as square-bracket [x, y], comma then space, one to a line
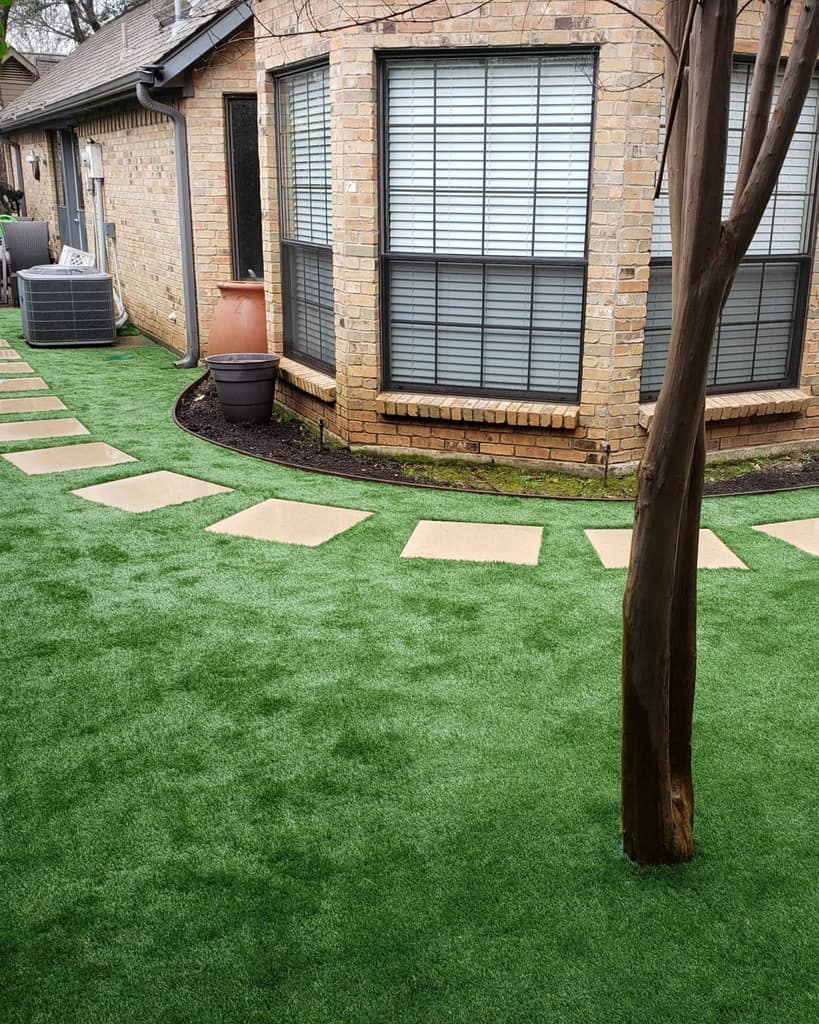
[66, 306]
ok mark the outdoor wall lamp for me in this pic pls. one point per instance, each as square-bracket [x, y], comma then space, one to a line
[34, 160]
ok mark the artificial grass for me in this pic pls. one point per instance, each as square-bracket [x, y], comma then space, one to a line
[253, 782]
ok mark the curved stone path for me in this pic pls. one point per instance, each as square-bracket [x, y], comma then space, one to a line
[301, 523]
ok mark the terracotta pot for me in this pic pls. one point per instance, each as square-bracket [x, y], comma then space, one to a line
[239, 323]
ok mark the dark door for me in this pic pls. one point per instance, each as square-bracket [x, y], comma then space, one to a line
[245, 196]
[71, 214]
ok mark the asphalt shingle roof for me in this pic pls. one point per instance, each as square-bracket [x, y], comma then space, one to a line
[119, 49]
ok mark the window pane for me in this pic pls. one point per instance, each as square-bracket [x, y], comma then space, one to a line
[754, 336]
[784, 227]
[245, 201]
[306, 172]
[506, 139]
[309, 310]
[484, 325]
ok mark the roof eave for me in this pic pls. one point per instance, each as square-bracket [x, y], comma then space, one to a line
[78, 104]
[201, 43]
[184, 57]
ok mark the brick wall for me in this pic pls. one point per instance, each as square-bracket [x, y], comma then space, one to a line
[627, 136]
[140, 194]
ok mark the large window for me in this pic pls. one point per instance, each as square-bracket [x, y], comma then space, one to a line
[306, 216]
[487, 188]
[758, 339]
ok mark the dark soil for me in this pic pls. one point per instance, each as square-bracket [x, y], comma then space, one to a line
[776, 474]
[287, 440]
[284, 439]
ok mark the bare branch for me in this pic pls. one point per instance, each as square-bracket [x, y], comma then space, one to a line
[682, 64]
[772, 37]
[748, 208]
[353, 23]
[644, 21]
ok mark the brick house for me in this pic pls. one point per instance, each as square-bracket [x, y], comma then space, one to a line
[463, 254]
[203, 68]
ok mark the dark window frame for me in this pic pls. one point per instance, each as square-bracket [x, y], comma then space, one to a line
[290, 246]
[227, 100]
[387, 256]
[805, 264]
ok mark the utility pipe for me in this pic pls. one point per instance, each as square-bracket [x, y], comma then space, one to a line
[183, 196]
[102, 248]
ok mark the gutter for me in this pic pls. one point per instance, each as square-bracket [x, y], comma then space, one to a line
[57, 113]
[18, 161]
[183, 195]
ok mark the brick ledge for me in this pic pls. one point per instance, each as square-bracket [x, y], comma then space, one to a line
[743, 405]
[306, 379]
[478, 410]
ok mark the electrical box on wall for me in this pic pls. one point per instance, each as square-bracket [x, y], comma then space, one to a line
[93, 160]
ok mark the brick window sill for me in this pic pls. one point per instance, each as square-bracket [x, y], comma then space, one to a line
[305, 378]
[743, 405]
[458, 409]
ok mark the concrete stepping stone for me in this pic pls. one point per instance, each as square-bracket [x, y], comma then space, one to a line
[150, 491]
[49, 403]
[23, 384]
[30, 430]
[12, 367]
[67, 457]
[8, 353]
[290, 522]
[801, 533]
[475, 542]
[613, 547]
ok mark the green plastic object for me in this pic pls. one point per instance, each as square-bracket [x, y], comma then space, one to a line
[7, 217]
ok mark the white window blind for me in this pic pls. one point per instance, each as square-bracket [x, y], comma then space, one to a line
[487, 159]
[756, 333]
[304, 117]
[305, 181]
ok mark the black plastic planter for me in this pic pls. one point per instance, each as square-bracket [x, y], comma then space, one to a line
[245, 383]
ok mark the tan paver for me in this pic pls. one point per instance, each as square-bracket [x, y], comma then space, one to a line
[67, 457]
[48, 403]
[290, 522]
[8, 353]
[802, 533]
[613, 547]
[12, 367]
[150, 491]
[30, 430]
[475, 542]
[23, 384]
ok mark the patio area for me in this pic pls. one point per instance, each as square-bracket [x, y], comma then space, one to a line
[255, 778]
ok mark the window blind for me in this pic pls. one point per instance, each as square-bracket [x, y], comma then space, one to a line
[305, 183]
[755, 338]
[487, 160]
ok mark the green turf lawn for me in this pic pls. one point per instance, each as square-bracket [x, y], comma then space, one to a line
[251, 782]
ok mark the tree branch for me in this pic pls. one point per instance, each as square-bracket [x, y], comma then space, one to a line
[682, 64]
[748, 208]
[772, 37]
[644, 21]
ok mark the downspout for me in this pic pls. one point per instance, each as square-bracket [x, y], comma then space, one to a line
[183, 194]
[18, 162]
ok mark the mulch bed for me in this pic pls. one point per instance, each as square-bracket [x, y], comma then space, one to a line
[290, 442]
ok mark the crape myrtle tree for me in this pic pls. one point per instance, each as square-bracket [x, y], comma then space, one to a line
[660, 603]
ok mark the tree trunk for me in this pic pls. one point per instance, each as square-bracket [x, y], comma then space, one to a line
[657, 790]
